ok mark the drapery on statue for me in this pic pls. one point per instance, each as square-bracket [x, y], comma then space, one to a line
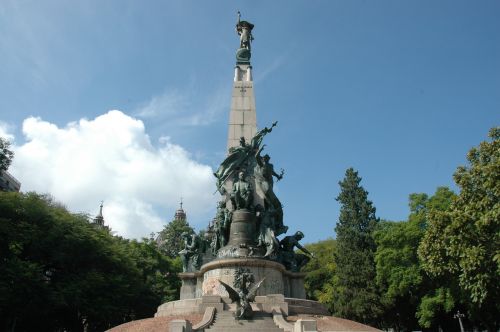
[264, 172]
[242, 293]
[267, 235]
[244, 30]
[240, 156]
[237, 156]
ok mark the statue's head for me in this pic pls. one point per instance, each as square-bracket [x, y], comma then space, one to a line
[299, 235]
[241, 175]
[242, 141]
[266, 158]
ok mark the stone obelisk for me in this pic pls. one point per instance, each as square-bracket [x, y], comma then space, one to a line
[242, 118]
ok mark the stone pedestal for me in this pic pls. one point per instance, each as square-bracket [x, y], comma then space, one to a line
[278, 280]
[225, 270]
[189, 285]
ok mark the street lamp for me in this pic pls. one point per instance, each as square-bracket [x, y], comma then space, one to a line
[459, 316]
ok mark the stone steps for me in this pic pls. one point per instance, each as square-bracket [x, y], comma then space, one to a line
[224, 321]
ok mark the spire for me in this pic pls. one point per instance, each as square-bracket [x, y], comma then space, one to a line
[180, 214]
[99, 219]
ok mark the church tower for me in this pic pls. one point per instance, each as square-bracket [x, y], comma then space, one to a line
[99, 219]
[180, 214]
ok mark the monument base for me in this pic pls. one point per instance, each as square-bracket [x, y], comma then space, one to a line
[288, 306]
[277, 279]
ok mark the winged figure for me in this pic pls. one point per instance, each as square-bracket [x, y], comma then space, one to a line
[243, 296]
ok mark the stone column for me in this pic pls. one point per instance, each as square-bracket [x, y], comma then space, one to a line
[242, 118]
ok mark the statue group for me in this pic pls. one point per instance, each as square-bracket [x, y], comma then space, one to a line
[249, 217]
[245, 180]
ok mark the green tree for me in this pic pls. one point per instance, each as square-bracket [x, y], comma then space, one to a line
[158, 273]
[401, 280]
[6, 154]
[463, 243]
[170, 240]
[60, 273]
[354, 288]
[319, 268]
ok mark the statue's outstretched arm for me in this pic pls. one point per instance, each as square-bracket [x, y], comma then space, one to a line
[304, 250]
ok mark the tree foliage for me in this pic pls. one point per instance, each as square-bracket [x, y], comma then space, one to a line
[6, 154]
[400, 278]
[61, 273]
[170, 240]
[463, 242]
[320, 268]
[354, 288]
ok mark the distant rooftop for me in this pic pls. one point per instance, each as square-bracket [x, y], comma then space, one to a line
[8, 182]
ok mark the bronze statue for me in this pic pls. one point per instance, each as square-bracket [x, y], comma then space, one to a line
[267, 235]
[259, 136]
[242, 194]
[190, 255]
[240, 157]
[242, 293]
[244, 30]
[221, 227]
[264, 172]
[289, 258]
[236, 159]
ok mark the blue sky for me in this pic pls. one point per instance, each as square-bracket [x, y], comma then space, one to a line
[399, 90]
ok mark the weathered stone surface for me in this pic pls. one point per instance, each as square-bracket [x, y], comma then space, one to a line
[180, 307]
[207, 319]
[180, 325]
[188, 288]
[157, 324]
[305, 325]
[330, 323]
[242, 117]
[225, 270]
[303, 306]
[224, 321]
[211, 299]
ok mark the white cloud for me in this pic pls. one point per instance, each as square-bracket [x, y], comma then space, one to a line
[111, 158]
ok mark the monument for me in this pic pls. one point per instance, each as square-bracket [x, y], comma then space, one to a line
[249, 215]
[241, 276]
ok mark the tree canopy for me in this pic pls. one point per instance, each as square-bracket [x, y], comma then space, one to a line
[59, 272]
[6, 154]
[406, 291]
[320, 268]
[463, 242]
[170, 239]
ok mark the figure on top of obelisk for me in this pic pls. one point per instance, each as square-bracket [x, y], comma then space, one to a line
[244, 30]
